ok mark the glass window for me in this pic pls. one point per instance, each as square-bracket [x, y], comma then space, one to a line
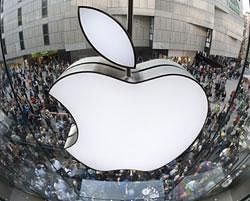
[4, 47]
[44, 8]
[21, 40]
[19, 16]
[46, 34]
[36, 129]
[2, 26]
[2, 3]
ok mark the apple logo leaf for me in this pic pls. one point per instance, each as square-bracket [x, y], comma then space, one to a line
[107, 36]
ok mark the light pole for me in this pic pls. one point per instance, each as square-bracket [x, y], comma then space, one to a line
[130, 28]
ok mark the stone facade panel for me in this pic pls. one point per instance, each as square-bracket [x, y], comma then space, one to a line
[177, 25]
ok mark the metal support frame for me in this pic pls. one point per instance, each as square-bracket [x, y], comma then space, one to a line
[130, 28]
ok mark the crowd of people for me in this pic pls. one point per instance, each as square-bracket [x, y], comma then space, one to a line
[32, 149]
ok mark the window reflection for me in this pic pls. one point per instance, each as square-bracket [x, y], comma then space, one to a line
[50, 171]
[34, 128]
[19, 16]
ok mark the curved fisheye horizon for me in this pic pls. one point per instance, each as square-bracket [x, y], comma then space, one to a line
[79, 122]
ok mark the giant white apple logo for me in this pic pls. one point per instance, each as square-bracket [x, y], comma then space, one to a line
[140, 123]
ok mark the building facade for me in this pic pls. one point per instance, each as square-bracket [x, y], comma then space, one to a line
[161, 27]
[245, 41]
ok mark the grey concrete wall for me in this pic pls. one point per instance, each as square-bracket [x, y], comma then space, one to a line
[227, 34]
[183, 24]
[175, 34]
[141, 27]
[141, 7]
[32, 22]
[177, 25]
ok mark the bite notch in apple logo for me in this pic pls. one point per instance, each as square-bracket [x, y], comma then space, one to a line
[140, 123]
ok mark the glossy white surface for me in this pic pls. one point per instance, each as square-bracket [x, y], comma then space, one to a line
[107, 36]
[132, 126]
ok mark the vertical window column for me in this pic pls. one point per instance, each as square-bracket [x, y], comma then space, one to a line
[44, 8]
[46, 34]
[2, 26]
[2, 3]
[2, 17]
[21, 40]
[19, 16]
[4, 46]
